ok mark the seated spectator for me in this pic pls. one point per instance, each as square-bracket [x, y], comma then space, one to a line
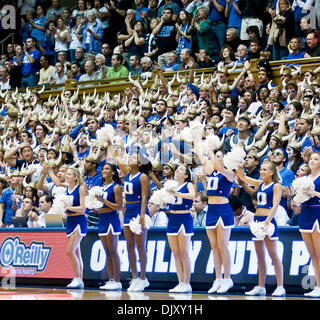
[26, 207]
[118, 70]
[76, 71]
[90, 73]
[242, 216]
[101, 68]
[254, 50]
[295, 50]
[59, 76]
[203, 59]
[80, 57]
[186, 60]
[158, 217]
[232, 38]
[5, 79]
[134, 65]
[92, 34]
[172, 63]
[147, 67]
[312, 45]
[227, 57]
[46, 71]
[199, 210]
[242, 54]
[106, 50]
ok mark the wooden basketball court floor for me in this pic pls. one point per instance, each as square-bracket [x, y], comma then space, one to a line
[52, 293]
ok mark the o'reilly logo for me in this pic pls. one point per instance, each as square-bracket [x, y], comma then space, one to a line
[15, 253]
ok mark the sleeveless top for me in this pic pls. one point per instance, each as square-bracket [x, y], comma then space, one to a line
[132, 187]
[265, 196]
[108, 193]
[181, 203]
[314, 201]
[75, 196]
[218, 185]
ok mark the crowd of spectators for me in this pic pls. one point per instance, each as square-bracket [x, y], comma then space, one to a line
[116, 39]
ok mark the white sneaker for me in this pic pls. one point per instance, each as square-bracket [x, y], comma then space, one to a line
[141, 285]
[181, 288]
[315, 293]
[132, 284]
[111, 285]
[225, 286]
[216, 285]
[76, 283]
[256, 291]
[279, 292]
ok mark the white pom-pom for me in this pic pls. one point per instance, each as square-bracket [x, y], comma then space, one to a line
[135, 225]
[91, 202]
[299, 187]
[186, 134]
[235, 158]
[162, 197]
[171, 185]
[212, 142]
[196, 128]
[60, 202]
[259, 230]
[105, 133]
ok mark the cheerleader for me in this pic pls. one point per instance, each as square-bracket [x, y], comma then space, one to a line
[109, 227]
[219, 221]
[268, 196]
[180, 228]
[137, 191]
[309, 222]
[76, 227]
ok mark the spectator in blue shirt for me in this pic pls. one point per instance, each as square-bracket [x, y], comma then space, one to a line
[30, 63]
[172, 63]
[38, 25]
[233, 14]
[219, 28]
[47, 46]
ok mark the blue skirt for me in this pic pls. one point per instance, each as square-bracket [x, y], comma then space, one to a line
[180, 222]
[219, 213]
[75, 223]
[109, 222]
[309, 219]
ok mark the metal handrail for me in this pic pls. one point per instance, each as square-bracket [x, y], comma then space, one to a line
[4, 40]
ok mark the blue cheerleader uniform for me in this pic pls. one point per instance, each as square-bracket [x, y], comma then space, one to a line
[310, 212]
[109, 221]
[75, 221]
[219, 186]
[180, 221]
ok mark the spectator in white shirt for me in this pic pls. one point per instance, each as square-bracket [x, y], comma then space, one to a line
[5, 79]
[158, 217]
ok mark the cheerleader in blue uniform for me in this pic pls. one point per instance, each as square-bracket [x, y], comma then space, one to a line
[219, 221]
[109, 227]
[76, 227]
[269, 196]
[137, 191]
[180, 228]
[309, 222]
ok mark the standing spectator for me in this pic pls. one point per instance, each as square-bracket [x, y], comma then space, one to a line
[166, 32]
[282, 30]
[47, 46]
[217, 18]
[92, 34]
[173, 6]
[252, 15]
[182, 26]
[118, 70]
[30, 63]
[25, 6]
[26, 29]
[127, 29]
[201, 33]
[80, 11]
[54, 11]
[302, 8]
[135, 43]
[102, 15]
[151, 46]
[233, 14]
[38, 25]
[76, 37]
[62, 37]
